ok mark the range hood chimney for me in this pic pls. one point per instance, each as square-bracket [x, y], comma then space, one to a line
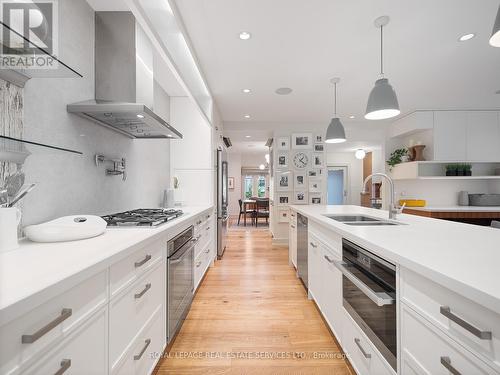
[124, 81]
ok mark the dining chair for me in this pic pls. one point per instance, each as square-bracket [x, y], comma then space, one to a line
[261, 210]
[250, 212]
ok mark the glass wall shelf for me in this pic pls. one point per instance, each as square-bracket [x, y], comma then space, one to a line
[16, 150]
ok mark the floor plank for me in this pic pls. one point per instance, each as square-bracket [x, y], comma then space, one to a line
[251, 315]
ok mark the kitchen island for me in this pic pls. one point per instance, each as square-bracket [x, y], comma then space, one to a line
[481, 215]
[441, 266]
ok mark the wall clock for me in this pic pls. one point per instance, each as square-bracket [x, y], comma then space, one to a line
[300, 160]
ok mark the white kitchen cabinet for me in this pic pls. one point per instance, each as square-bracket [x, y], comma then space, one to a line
[331, 279]
[62, 314]
[130, 310]
[425, 350]
[450, 135]
[314, 269]
[292, 239]
[83, 352]
[483, 136]
[363, 356]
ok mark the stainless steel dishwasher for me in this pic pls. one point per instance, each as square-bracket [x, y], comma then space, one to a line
[180, 280]
[302, 248]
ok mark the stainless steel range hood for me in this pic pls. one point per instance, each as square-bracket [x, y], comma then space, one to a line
[124, 80]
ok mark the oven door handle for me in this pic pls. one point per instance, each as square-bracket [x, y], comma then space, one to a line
[183, 253]
[380, 298]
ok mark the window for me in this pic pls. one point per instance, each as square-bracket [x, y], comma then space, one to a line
[261, 187]
[248, 187]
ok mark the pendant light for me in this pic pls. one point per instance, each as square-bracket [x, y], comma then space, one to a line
[495, 34]
[335, 132]
[382, 102]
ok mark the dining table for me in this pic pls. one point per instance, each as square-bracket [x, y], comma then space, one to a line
[247, 203]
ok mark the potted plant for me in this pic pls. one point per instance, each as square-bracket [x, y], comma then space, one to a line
[396, 157]
[468, 169]
[451, 169]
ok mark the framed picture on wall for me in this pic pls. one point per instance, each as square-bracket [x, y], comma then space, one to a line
[299, 182]
[283, 215]
[318, 138]
[302, 141]
[315, 199]
[284, 181]
[300, 197]
[315, 186]
[282, 160]
[318, 161]
[318, 171]
[312, 173]
[283, 199]
[283, 143]
[230, 182]
[319, 148]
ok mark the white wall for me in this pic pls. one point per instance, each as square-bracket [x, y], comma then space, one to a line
[252, 159]
[70, 184]
[234, 170]
[355, 173]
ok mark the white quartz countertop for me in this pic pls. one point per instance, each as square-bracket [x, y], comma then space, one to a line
[457, 208]
[35, 271]
[461, 257]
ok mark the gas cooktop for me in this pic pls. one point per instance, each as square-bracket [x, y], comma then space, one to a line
[144, 217]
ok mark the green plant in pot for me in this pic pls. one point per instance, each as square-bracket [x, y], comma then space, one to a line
[451, 169]
[460, 170]
[396, 157]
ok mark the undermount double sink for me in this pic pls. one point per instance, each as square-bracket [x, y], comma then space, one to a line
[361, 220]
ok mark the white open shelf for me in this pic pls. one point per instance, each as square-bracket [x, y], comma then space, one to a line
[436, 170]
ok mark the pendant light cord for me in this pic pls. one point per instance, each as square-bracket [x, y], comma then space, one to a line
[382, 51]
[335, 99]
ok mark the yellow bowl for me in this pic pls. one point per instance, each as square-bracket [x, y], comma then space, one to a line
[412, 202]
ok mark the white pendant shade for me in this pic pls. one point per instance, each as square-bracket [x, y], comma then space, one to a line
[495, 34]
[335, 132]
[382, 102]
[360, 154]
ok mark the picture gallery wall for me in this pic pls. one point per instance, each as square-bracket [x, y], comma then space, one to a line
[299, 171]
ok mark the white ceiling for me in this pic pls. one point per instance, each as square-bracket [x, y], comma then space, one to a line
[303, 43]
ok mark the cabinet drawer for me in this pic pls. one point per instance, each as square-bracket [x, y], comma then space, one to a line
[203, 237]
[425, 350]
[129, 269]
[129, 311]
[50, 322]
[82, 353]
[326, 236]
[141, 358]
[457, 316]
[362, 354]
[201, 263]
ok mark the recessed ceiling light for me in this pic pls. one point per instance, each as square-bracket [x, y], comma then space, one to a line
[246, 91]
[283, 91]
[352, 116]
[140, 116]
[247, 136]
[262, 166]
[466, 37]
[246, 116]
[245, 35]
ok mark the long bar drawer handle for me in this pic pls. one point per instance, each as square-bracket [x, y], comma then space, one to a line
[446, 362]
[140, 294]
[146, 344]
[313, 244]
[29, 339]
[330, 260]
[147, 258]
[65, 364]
[365, 354]
[380, 298]
[293, 226]
[483, 335]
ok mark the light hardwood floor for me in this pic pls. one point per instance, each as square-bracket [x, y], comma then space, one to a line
[251, 315]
